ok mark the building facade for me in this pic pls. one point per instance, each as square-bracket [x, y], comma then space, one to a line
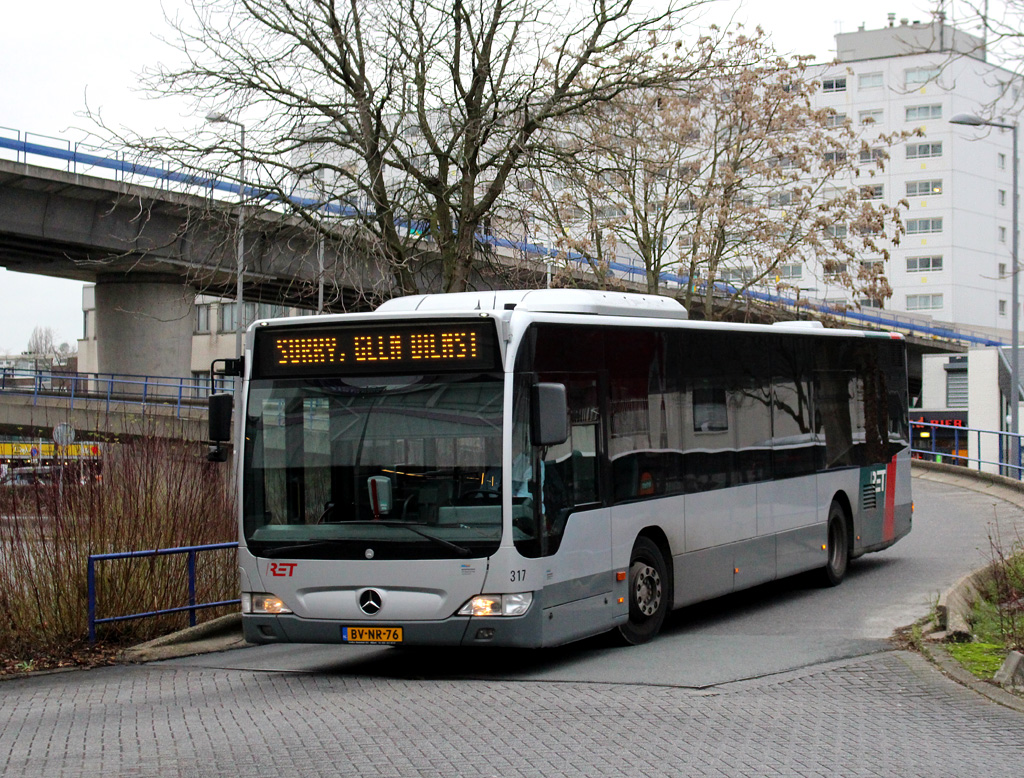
[954, 262]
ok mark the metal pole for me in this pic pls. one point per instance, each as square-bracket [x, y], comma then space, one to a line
[240, 301]
[1015, 323]
[240, 258]
[320, 274]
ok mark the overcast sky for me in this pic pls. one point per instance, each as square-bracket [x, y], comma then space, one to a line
[59, 56]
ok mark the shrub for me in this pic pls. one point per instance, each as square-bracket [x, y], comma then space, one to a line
[154, 493]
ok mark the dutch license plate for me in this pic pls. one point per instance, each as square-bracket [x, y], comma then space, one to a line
[371, 634]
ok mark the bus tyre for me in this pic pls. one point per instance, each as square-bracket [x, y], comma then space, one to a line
[648, 583]
[837, 547]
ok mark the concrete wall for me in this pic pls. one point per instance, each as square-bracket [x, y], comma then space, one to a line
[984, 403]
[933, 381]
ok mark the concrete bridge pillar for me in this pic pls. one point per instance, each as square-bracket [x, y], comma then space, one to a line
[144, 324]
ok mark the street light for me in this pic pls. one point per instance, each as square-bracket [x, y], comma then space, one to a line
[977, 121]
[216, 117]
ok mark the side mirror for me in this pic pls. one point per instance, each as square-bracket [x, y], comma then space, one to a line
[549, 415]
[219, 420]
[220, 417]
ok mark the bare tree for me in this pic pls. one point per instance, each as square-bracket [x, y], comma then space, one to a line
[736, 182]
[397, 123]
[42, 341]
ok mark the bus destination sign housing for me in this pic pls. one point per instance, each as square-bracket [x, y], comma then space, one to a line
[374, 349]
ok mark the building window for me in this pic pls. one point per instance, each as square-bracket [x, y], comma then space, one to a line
[834, 268]
[837, 84]
[203, 318]
[200, 383]
[924, 226]
[924, 264]
[873, 116]
[780, 199]
[835, 120]
[872, 192]
[835, 231]
[918, 113]
[736, 275]
[227, 317]
[873, 154]
[924, 150]
[790, 271]
[610, 212]
[1002, 307]
[1002, 197]
[1002, 270]
[1002, 234]
[835, 156]
[869, 302]
[870, 81]
[915, 77]
[924, 188]
[924, 302]
[1002, 161]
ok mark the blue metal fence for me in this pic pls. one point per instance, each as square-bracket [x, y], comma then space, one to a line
[967, 446]
[108, 388]
[192, 606]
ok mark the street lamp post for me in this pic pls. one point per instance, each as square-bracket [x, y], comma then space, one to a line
[216, 117]
[977, 121]
[219, 118]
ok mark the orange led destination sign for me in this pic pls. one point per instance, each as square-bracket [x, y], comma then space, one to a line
[404, 348]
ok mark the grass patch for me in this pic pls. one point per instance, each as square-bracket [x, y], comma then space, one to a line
[983, 660]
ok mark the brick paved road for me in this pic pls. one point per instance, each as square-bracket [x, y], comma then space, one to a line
[888, 714]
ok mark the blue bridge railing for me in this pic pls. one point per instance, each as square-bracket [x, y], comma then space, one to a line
[109, 389]
[983, 450]
[192, 607]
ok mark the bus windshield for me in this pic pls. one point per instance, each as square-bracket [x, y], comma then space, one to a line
[401, 467]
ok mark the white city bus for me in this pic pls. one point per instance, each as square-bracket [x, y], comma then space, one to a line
[527, 468]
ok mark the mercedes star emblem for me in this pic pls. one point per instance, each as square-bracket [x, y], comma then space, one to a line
[370, 602]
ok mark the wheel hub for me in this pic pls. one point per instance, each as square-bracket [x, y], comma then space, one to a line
[646, 588]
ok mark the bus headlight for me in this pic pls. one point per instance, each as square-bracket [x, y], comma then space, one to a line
[263, 603]
[498, 605]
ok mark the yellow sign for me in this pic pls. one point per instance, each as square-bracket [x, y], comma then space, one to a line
[49, 450]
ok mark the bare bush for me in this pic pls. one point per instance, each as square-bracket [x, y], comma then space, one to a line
[154, 493]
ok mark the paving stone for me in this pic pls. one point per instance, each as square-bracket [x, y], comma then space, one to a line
[880, 715]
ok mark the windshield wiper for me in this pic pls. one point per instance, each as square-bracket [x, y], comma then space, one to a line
[281, 550]
[412, 528]
[284, 550]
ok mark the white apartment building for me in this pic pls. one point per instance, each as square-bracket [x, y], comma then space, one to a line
[954, 261]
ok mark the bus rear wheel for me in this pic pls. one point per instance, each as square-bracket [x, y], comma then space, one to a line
[649, 594]
[837, 547]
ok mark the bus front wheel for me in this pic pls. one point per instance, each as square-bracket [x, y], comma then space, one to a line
[837, 548]
[648, 592]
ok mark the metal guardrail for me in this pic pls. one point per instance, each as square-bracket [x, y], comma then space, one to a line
[108, 388]
[192, 606]
[77, 158]
[1008, 445]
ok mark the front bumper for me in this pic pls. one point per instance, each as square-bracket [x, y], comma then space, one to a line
[506, 631]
